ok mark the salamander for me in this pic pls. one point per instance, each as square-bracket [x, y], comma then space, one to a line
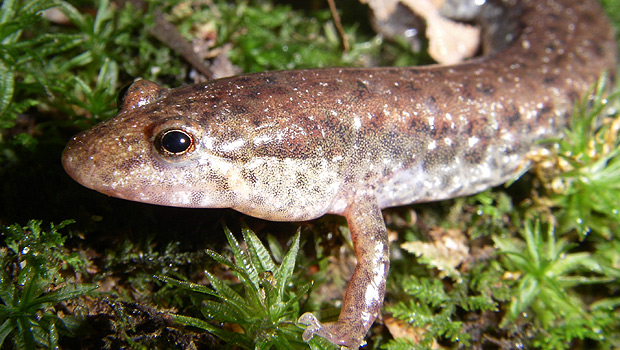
[295, 145]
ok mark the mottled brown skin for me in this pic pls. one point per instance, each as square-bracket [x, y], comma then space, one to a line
[294, 145]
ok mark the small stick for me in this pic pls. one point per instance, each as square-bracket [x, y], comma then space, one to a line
[343, 36]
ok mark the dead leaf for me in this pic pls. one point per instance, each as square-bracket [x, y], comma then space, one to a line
[449, 42]
[446, 252]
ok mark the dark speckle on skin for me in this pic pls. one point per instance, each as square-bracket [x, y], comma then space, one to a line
[486, 89]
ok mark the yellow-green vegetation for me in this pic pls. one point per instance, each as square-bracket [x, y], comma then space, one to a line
[265, 303]
[533, 265]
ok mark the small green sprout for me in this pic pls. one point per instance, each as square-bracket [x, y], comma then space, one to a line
[27, 315]
[433, 308]
[264, 304]
[584, 176]
[545, 276]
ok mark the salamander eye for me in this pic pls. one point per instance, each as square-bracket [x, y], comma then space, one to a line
[175, 142]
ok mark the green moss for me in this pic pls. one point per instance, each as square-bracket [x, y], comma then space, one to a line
[265, 303]
[32, 286]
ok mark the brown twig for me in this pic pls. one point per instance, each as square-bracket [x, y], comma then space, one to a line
[343, 36]
[167, 33]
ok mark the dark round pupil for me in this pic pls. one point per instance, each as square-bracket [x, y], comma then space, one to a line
[176, 141]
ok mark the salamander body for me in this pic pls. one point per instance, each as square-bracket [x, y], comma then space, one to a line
[295, 145]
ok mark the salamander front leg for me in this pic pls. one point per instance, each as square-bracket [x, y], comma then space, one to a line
[366, 289]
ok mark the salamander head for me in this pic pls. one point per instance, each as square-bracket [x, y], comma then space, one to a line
[192, 147]
[150, 153]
